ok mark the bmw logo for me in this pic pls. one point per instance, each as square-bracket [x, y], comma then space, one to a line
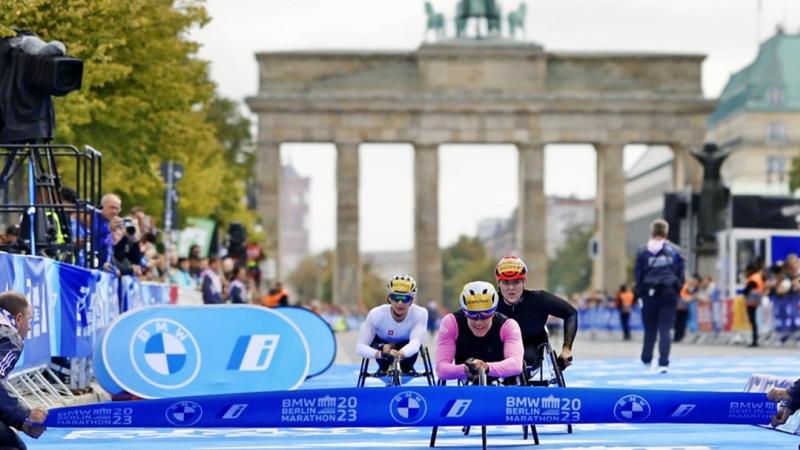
[632, 408]
[184, 414]
[165, 354]
[408, 407]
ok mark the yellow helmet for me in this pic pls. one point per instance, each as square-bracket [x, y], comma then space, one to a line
[402, 284]
[478, 296]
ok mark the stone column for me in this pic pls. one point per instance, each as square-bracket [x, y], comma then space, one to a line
[268, 188]
[532, 214]
[428, 258]
[686, 171]
[347, 267]
[610, 266]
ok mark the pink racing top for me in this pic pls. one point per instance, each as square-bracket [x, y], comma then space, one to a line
[446, 350]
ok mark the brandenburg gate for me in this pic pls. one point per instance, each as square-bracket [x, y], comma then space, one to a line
[476, 91]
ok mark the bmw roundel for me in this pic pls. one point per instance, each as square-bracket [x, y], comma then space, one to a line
[184, 413]
[632, 408]
[165, 354]
[408, 407]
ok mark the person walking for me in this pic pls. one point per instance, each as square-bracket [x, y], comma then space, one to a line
[659, 275]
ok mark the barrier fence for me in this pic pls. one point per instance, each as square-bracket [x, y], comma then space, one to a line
[722, 321]
[71, 307]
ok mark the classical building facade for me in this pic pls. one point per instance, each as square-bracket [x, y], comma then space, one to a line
[759, 110]
[475, 91]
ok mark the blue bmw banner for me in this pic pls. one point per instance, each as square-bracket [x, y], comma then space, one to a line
[166, 351]
[425, 406]
[319, 333]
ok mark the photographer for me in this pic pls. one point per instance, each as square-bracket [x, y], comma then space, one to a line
[127, 254]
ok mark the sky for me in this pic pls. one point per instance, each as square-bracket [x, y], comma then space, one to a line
[727, 31]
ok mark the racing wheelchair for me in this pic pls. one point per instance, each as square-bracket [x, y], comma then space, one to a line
[481, 379]
[394, 375]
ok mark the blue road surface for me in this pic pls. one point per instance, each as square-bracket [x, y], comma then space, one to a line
[714, 374]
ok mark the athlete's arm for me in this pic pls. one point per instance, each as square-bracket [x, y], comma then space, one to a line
[513, 351]
[365, 338]
[557, 306]
[446, 351]
[417, 335]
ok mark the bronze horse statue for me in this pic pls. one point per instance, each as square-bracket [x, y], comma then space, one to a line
[435, 21]
[478, 9]
[516, 19]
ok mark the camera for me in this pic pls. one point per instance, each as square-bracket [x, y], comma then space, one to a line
[130, 228]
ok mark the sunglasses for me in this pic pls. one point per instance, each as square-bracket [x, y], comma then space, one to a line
[480, 315]
[401, 298]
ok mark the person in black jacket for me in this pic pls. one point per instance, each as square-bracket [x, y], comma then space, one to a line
[531, 309]
[15, 316]
[659, 273]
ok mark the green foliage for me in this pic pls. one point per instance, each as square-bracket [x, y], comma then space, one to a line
[313, 277]
[373, 287]
[146, 98]
[466, 260]
[571, 269]
[794, 175]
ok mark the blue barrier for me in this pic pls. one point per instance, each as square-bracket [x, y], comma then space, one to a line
[71, 305]
[320, 336]
[161, 352]
[424, 406]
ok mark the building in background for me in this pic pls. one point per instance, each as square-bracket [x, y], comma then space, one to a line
[758, 112]
[760, 108]
[563, 213]
[646, 182]
[294, 218]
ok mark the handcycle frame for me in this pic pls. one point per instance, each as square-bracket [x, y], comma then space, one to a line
[396, 373]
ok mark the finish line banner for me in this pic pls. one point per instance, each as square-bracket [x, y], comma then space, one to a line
[424, 406]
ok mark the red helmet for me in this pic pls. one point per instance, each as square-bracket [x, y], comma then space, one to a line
[510, 268]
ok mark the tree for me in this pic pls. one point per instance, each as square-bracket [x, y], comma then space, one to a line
[466, 260]
[146, 98]
[794, 175]
[312, 279]
[571, 269]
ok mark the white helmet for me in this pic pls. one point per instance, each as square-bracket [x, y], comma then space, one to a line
[478, 296]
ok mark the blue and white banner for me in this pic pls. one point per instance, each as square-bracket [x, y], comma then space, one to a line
[75, 325]
[6, 272]
[165, 351]
[42, 293]
[320, 337]
[425, 406]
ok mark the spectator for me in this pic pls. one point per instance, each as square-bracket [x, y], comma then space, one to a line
[433, 317]
[15, 320]
[238, 287]
[282, 293]
[211, 283]
[754, 291]
[77, 229]
[102, 239]
[181, 276]
[10, 237]
[687, 296]
[624, 303]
